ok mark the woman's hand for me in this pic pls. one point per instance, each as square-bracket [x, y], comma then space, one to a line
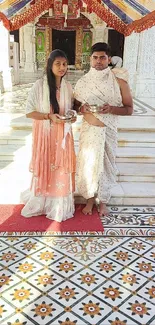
[84, 108]
[73, 120]
[56, 118]
[105, 109]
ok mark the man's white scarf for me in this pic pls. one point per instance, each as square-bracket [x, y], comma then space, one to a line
[65, 103]
[103, 88]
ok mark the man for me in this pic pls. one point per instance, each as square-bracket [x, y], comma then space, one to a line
[98, 139]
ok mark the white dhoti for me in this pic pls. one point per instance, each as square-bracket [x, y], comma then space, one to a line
[96, 162]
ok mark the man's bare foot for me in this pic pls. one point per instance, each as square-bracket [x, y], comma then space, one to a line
[89, 206]
[103, 211]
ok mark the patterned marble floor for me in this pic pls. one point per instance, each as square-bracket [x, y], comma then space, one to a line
[77, 280]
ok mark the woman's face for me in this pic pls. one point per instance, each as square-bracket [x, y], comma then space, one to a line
[59, 67]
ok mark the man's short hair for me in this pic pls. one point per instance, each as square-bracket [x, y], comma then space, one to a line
[99, 47]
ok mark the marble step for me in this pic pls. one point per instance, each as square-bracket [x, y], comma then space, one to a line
[19, 137]
[135, 155]
[136, 139]
[132, 172]
[130, 138]
[125, 139]
[124, 154]
[13, 152]
[136, 123]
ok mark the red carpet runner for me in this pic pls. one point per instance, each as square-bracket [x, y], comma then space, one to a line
[12, 221]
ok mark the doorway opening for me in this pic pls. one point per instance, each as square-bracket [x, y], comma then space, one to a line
[116, 42]
[65, 41]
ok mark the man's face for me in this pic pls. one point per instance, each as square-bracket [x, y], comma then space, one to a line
[99, 60]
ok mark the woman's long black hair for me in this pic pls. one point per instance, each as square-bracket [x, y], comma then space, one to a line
[51, 78]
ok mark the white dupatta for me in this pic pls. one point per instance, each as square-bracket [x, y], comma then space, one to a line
[65, 103]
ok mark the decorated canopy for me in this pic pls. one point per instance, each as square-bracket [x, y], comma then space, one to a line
[125, 16]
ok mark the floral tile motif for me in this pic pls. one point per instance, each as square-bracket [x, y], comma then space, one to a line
[148, 291]
[18, 319]
[29, 246]
[91, 310]
[137, 246]
[10, 256]
[47, 256]
[69, 319]
[43, 310]
[21, 295]
[7, 280]
[5, 310]
[144, 267]
[12, 240]
[151, 255]
[88, 279]
[66, 267]
[67, 293]
[112, 293]
[45, 279]
[118, 319]
[25, 267]
[129, 279]
[106, 267]
[138, 309]
[122, 256]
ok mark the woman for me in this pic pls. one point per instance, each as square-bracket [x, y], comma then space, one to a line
[53, 156]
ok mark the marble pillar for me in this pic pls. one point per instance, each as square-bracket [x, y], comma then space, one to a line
[139, 59]
[145, 84]
[22, 50]
[130, 58]
[29, 48]
[6, 79]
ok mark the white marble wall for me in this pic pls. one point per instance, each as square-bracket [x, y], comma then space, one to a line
[139, 59]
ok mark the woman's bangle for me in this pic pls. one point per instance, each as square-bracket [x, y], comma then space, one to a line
[47, 116]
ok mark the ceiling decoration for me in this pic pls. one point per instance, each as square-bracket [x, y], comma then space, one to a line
[125, 16]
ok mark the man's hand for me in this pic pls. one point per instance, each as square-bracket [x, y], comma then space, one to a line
[106, 109]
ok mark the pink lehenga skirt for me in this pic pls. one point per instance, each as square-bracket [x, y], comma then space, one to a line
[53, 168]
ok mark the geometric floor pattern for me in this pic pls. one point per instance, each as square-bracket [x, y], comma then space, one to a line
[77, 280]
[129, 221]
